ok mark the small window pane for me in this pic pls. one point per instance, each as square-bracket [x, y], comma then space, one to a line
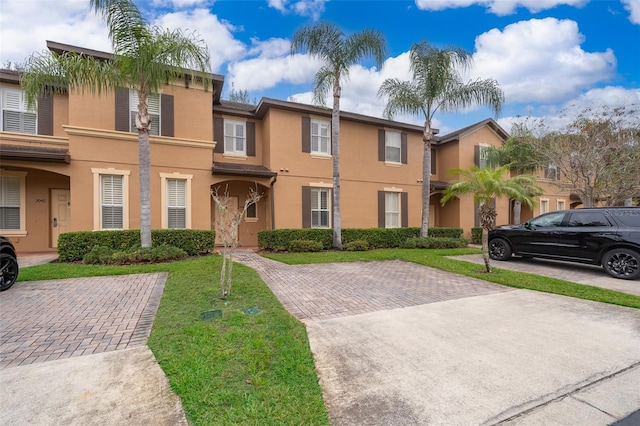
[392, 146]
[320, 208]
[320, 139]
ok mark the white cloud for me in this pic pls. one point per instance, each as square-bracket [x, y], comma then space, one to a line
[633, 6]
[310, 8]
[69, 22]
[540, 60]
[499, 7]
[218, 34]
[264, 72]
[271, 48]
[589, 103]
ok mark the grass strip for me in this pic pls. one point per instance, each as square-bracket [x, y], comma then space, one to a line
[240, 369]
[438, 259]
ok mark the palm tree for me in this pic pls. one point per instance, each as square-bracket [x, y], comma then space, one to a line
[337, 53]
[436, 85]
[144, 58]
[487, 184]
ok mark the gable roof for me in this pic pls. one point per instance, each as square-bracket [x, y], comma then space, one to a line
[455, 136]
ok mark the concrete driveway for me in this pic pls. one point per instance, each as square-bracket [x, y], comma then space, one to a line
[74, 352]
[399, 344]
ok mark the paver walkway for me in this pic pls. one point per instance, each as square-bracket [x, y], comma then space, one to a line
[323, 291]
[49, 320]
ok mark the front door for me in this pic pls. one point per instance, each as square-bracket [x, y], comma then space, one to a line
[60, 214]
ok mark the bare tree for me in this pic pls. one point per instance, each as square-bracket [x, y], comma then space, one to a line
[596, 156]
[228, 220]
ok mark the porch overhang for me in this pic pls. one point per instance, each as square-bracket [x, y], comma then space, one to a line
[246, 170]
[438, 185]
[33, 153]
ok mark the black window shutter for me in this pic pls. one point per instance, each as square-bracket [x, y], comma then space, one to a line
[476, 155]
[381, 147]
[251, 139]
[403, 148]
[306, 134]
[166, 120]
[306, 207]
[218, 134]
[122, 110]
[45, 115]
[404, 209]
[433, 161]
[381, 211]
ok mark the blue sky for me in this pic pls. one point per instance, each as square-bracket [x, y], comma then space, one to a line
[547, 55]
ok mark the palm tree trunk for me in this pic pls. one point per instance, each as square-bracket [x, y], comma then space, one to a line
[144, 152]
[485, 249]
[426, 178]
[335, 152]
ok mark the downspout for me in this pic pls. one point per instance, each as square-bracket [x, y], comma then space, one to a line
[273, 212]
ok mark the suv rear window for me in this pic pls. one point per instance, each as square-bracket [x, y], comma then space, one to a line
[587, 219]
[628, 217]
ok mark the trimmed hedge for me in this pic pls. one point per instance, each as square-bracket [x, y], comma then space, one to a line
[108, 256]
[305, 246]
[435, 242]
[280, 239]
[73, 246]
[476, 235]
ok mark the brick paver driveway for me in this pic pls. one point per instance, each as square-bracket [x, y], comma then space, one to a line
[49, 320]
[323, 291]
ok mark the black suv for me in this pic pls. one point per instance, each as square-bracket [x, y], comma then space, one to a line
[607, 236]
[8, 264]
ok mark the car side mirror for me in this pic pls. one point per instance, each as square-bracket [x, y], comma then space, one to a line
[527, 225]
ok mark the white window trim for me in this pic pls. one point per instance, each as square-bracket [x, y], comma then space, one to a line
[22, 232]
[318, 153]
[34, 110]
[388, 162]
[163, 198]
[97, 222]
[329, 206]
[542, 201]
[398, 191]
[564, 203]
[234, 153]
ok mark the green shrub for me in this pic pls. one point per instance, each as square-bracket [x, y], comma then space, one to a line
[357, 245]
[108, 256]
[476, 235]
[73, 246]
[280, 239]
[435, 242]
[305, 245]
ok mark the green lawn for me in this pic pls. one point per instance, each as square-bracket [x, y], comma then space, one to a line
[241, 369]
[258, 369]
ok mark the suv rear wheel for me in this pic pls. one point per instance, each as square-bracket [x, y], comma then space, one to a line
[499, 249]
[622, 263]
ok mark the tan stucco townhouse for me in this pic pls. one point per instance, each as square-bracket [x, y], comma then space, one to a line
[72, 165]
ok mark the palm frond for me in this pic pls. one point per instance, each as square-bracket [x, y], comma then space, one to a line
[404, 98]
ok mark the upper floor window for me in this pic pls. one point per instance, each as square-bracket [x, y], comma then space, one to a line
[321, 137]
[392, 147]
[235, 137]
[551, 172]
[16, 117]
[153, 108]
[482, 156]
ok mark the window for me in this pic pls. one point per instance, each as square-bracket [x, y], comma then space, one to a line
[234, 137]
[320, 208]
[153, 107]
[111, 199]
[483, 157]
[16, 117]
[561, 205]
[111, 202]
[252, 213]
[12, 203]
[321, 137]
[392, 144]
[392, 210]
[551, 172]
[583, 219]
[544, 206]
[550, 220]
[176, 203]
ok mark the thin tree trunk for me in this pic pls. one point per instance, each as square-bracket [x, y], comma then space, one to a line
[426, 178]
[145, 202]
[517, 210]
[335, 152]
[485, 249]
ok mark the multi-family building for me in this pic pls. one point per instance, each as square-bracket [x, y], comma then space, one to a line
[72, 164]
